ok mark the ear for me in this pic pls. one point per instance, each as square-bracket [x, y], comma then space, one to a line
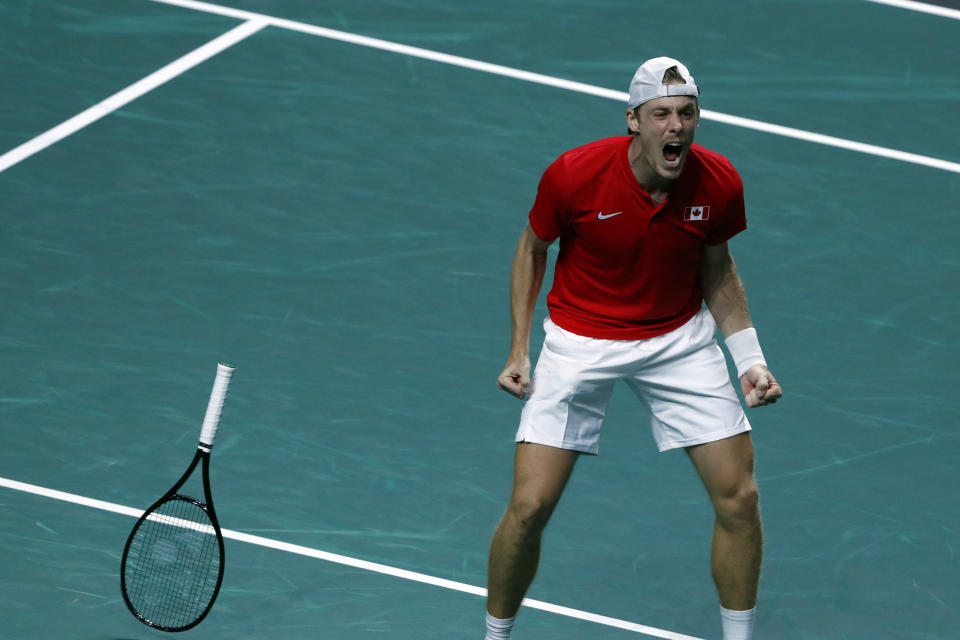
[632, 124]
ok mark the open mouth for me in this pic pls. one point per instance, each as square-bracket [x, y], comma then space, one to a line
[672, 152]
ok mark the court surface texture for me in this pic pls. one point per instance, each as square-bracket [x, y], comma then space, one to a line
[329, 195]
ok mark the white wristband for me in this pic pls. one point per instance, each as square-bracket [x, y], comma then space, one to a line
[745, 350]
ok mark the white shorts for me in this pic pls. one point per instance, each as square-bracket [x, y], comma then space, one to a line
[680, 376]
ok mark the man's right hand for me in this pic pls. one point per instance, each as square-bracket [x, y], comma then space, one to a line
[515, 378]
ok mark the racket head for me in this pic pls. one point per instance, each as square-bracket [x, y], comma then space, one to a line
[172, 565]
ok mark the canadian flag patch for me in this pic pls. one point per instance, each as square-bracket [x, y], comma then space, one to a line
[696, 213]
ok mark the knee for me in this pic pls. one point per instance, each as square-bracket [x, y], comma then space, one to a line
[528, 515]
[739, 506]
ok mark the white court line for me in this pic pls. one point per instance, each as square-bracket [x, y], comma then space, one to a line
[131, 93]
[560, 83]
[354, 562]
[831, 141]
[162, 518]
[923, 7]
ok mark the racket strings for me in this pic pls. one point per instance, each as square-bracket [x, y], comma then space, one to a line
[173, 564]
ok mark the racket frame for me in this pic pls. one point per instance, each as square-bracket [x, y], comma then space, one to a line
[202, 457]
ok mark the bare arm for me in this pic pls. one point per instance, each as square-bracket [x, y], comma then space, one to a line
[727, 301]
[526, 278]
[722, 289]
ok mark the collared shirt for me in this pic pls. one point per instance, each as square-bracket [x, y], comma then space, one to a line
[627, 267]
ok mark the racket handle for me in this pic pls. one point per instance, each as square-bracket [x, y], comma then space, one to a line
[212, 420]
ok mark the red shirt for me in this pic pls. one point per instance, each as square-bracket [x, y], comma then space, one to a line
[627, 267]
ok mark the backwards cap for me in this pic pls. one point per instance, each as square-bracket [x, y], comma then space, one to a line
[647, 82]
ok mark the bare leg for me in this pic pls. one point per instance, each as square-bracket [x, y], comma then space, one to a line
[726, 468]
[540, 475]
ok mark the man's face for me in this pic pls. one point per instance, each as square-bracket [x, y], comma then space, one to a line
[665, 128]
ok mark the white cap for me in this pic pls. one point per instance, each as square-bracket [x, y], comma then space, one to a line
[647, 82]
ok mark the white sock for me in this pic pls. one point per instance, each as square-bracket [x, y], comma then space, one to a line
[738, 625]
[498, 629]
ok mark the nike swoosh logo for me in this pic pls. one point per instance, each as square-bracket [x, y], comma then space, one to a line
[600, 215]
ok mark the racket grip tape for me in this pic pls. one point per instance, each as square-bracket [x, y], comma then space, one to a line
[214, 408]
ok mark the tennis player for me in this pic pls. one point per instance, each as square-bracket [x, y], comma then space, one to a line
[643, 222]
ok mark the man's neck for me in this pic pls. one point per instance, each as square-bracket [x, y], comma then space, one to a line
[656, 186]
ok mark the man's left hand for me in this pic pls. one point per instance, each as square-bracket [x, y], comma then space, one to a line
[760, 387]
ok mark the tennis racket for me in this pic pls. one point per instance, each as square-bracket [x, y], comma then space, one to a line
[172, 564]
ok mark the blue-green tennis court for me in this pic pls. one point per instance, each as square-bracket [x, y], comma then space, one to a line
[329, 195]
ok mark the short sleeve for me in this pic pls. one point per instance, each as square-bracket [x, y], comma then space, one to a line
[733, 219]
[550, 210]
